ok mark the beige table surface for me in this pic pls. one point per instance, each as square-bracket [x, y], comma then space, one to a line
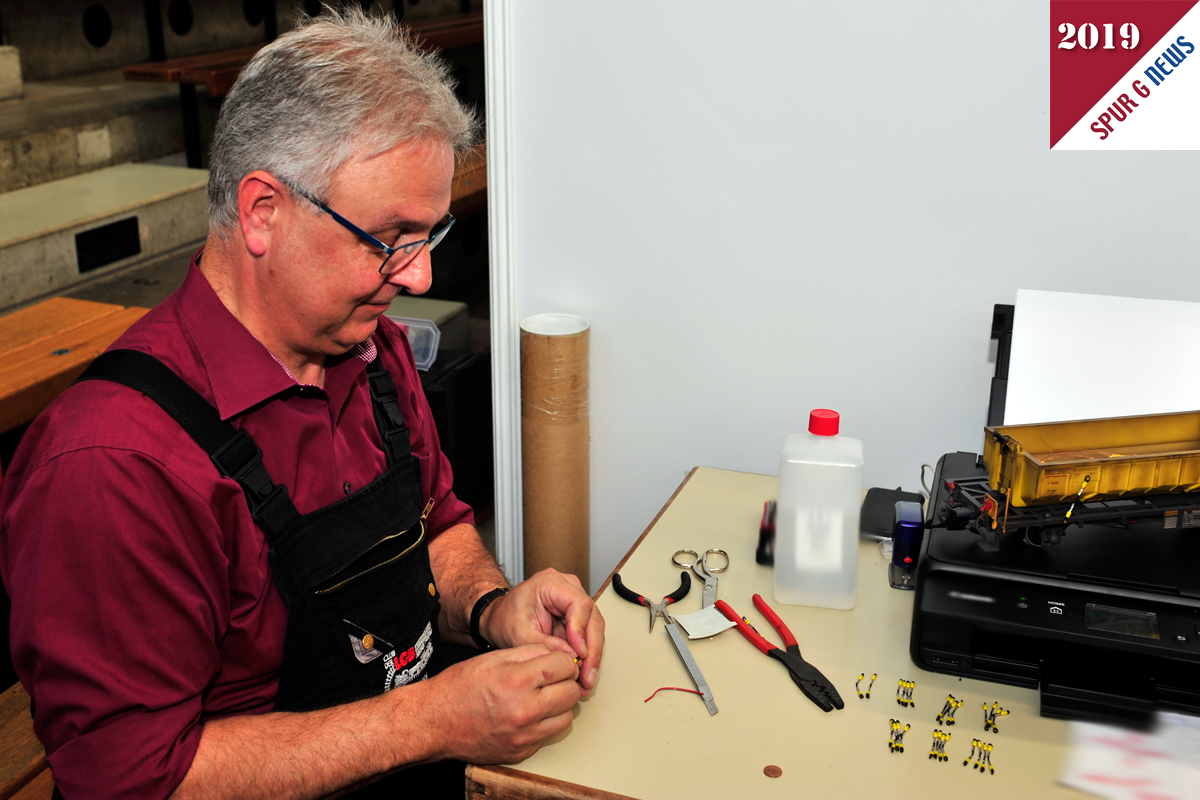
[671, 748]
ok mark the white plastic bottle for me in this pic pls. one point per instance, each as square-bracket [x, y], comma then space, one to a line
[816, 524]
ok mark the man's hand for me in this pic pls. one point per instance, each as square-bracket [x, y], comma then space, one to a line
[498, 707]
[551, 609]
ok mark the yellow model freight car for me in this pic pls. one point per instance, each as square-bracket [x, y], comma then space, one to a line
[1057, 462]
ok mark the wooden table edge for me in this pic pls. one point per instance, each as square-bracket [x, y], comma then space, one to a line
[15, 409]
[519, 785]
[490, 783]
[527, 785]
[102, 310]
[653, 522]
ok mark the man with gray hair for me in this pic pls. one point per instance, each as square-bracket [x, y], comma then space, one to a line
[236, 563]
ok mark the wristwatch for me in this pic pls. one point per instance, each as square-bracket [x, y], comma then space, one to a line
[477, 613]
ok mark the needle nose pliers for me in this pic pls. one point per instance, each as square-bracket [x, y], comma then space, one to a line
[659, 609]
[816, 687]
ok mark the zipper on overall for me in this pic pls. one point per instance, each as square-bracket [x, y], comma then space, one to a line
[398, 556]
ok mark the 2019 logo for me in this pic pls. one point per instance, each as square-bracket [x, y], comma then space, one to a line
[1119, 75]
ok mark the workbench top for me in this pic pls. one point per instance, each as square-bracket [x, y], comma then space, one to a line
[671, 748]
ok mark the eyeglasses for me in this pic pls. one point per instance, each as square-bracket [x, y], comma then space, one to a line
[395, 258]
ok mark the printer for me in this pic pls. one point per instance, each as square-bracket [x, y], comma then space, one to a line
[1096, 604]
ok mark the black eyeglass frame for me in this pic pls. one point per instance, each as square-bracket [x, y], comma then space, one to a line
[410, 249]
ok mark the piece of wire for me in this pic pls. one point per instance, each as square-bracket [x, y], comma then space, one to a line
[1007, 503]
[928, 493]
[673, 689]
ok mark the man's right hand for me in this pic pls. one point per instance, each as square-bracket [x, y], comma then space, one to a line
[498, 707]
[495, 708]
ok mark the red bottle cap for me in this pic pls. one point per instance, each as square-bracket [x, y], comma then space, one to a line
[823, 422]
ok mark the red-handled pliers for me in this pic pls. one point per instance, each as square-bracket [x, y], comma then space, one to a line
[816, 687]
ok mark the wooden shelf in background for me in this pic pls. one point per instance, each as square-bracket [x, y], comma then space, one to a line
[468, 192]
[218, 71]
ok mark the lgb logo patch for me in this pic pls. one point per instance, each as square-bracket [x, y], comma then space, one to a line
[404, 667]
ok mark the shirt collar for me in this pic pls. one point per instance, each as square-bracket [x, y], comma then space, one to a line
[242, 372]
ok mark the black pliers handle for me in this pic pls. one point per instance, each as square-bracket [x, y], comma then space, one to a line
[659, 608]
[816, 687]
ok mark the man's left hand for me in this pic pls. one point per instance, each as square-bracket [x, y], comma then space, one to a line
[550, 608]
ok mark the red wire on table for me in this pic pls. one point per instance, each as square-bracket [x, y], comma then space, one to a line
[673, 689]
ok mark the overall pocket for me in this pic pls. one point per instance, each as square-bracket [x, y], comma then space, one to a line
[363, 614]
[379, 617]
[387, 550]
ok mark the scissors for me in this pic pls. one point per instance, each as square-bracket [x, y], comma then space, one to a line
[699, 565]
[659, 609]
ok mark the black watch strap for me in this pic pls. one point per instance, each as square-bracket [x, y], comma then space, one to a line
[477, 613]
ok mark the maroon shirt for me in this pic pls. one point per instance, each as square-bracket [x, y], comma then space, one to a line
[142, 599]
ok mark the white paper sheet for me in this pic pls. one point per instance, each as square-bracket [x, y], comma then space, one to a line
[703, 623]
[1122, 765]
[1086, 356]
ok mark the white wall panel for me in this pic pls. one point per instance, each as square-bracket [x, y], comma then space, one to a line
[769, 207]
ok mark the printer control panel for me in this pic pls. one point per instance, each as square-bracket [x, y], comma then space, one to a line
[1024, 607]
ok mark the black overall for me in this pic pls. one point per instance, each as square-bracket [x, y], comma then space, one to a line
[355, 575]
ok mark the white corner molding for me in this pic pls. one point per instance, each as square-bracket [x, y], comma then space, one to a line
[506, 342]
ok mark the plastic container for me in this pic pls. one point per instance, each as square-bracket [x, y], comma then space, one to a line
[424, 338]
[908, 531]
[816, 524]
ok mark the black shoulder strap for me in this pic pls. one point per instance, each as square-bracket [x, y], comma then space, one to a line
[389, 420]
[235, 454]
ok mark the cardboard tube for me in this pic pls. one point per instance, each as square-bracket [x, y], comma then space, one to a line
[555, 444]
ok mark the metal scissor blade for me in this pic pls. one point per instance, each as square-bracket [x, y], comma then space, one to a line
[710, 592]
[685, 656]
